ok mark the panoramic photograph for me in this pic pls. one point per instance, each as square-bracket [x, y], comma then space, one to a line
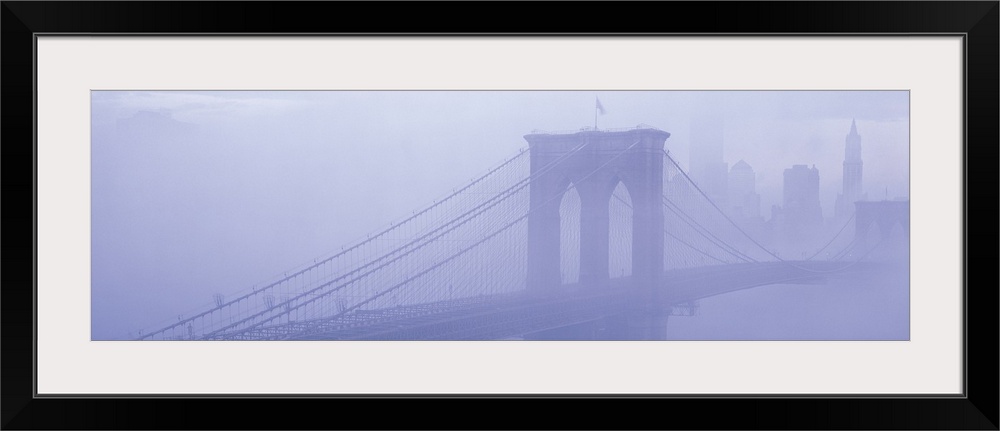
[514, 216]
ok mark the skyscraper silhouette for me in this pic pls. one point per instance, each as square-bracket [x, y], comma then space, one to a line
[852, 191]
[802, 211]
[708, 169]
[744, 202]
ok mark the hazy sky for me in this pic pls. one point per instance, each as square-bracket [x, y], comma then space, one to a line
[196, 193]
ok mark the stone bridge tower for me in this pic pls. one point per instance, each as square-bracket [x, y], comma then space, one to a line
[594, 162]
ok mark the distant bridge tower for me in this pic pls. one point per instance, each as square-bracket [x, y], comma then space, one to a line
[884, 214]
[632, 157]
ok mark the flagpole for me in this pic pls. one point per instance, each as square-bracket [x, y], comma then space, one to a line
[598, 110]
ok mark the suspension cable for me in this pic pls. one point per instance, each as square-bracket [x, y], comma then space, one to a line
[703, 194]
[675, 236]
[425, 271]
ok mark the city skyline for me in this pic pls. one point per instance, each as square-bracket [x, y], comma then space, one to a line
[179, 174]
[712, 170]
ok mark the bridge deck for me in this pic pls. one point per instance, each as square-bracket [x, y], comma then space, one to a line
[514, 315]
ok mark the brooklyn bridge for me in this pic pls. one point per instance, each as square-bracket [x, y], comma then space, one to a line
[593, 234]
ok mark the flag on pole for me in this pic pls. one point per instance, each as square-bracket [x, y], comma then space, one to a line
[598, 109]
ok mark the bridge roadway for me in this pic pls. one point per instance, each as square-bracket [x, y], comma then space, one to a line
[518, 314]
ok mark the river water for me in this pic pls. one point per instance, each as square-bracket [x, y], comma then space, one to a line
[873, 307]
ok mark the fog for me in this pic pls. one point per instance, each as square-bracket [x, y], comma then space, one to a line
[203, 193]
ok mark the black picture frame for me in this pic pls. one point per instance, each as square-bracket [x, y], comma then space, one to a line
[976, 22]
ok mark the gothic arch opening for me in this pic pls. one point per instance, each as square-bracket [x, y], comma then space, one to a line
[899, 243]
[896, 232]
[620, 222]
[872, 233]
[569, 236]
